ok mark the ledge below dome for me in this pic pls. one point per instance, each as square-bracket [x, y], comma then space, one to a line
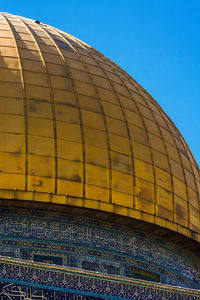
[163, 228]
[91, 244]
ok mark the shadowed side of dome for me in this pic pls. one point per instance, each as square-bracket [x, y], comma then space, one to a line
[76, 130]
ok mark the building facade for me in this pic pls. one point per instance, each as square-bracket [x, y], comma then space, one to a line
[99, 192]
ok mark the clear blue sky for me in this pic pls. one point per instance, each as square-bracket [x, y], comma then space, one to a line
[156, 41]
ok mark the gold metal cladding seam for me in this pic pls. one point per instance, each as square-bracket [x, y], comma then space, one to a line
[105, 122]
[24, 100]
[144, 128]
[78, 106]
[183, 168]
[155, 214]
[158, 126]
[128, 132]
[50, 92]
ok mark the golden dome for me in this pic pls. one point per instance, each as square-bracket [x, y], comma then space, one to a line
[77, 130]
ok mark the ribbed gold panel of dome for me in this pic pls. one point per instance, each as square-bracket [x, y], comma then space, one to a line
[77, 130]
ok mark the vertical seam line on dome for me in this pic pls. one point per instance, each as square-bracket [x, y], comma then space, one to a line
[188, 208]
[78, 107]
[165, 153]
[153, 168]
[153, 164]
[155, 192]
[125, 120]
[184, 181]
[184, 145]
[176, 129]
[162, 112]
[186, 149]
[164, 147]
[104, 116]
[51, 97]
[24, 100]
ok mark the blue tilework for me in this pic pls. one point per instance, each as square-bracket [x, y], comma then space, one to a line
[91, 244]
[18, 292]
[40, 282]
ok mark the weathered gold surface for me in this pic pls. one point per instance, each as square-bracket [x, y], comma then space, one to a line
[73, 123]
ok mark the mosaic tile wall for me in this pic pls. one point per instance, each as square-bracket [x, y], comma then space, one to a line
[18, 292]
[22, 280]
[91, 244]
